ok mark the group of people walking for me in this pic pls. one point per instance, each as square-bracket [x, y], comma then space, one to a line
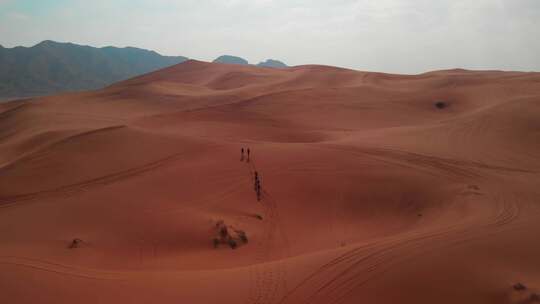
[245, 154]
[242, 154]
[257, 186]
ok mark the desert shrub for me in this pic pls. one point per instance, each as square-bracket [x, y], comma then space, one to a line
[519, 286]
[242, 235]
[440, 104]
[232, 243]
[223, 231]
[228, 235]
[75, 243]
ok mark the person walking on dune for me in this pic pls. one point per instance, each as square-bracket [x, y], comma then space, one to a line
[256, 180]
[258, 187]
[242, 154]
[248, 154]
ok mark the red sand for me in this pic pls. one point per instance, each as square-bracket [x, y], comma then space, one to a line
[371, 194]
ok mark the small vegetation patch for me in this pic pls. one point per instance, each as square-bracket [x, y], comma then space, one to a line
[227, 235]
[441, 105]
[519, 287]
[474, 187]
[242, 236]
[232, 243]
[75, 243]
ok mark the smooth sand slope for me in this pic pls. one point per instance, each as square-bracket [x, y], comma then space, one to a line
[371, 191]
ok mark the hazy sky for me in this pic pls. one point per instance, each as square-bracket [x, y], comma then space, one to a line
[405, 36]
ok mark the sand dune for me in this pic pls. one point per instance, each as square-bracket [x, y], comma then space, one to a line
[371, 192]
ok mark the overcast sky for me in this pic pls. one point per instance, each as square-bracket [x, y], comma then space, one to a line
[403, 36]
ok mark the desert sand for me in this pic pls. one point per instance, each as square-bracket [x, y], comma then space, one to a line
[376, 188]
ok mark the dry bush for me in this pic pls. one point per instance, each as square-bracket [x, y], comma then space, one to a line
[228, 235]
[232, 243]
[75, 243]
[440, 104]
[519, 286]
[242, 235]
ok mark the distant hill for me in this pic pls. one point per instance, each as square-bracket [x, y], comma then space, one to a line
[231, 60]
[52, 67]
[271, 63]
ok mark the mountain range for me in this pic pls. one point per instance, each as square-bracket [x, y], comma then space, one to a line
[269, 63]
[53, 67]
[272, 63]
[231, 60]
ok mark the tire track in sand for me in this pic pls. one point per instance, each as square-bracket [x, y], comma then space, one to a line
[75, 188]
[344, 274]
[62, 269]
[268, 279]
